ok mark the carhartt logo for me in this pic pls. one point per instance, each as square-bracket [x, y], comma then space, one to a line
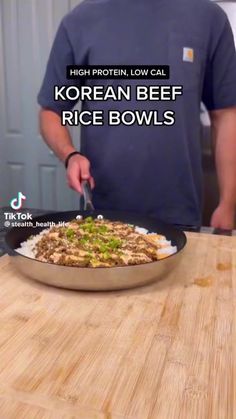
[188, 55]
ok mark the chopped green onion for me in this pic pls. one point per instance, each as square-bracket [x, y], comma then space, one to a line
[70, 234]
[89, 220]
[107, 255]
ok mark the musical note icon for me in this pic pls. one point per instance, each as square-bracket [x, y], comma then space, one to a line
[17, 203]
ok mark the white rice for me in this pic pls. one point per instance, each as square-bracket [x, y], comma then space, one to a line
[27, 247]
[168, 250]
[163, 242]
[166, 247]
[141, 230]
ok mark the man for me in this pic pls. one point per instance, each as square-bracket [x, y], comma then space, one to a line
[149, 169]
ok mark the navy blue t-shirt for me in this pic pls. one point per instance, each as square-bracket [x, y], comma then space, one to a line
[153, 170]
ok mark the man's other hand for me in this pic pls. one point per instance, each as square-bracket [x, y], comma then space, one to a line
[223, 217]
[79, 170]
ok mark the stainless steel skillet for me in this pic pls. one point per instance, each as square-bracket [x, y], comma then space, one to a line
[95, 279]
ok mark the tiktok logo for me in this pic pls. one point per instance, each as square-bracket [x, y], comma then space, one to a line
[17, 203]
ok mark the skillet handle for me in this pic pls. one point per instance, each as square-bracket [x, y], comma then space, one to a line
[87, 193]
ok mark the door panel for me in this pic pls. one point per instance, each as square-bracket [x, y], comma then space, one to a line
[16, 176]
[26, 164]
[48, 190]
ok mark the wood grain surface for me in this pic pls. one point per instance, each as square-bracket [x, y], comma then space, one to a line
[160, 352]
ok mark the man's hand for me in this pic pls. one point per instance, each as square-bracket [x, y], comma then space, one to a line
[223, 217]
[79, 170]
[224, 141]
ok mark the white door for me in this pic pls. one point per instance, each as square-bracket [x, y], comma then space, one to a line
[26, 164]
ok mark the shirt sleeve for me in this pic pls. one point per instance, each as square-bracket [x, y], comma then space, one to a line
[219, 88]
[61, 56]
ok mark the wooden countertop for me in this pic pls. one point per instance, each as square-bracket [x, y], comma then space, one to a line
[160, 352]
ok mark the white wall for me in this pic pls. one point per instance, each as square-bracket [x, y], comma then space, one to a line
[230, 8]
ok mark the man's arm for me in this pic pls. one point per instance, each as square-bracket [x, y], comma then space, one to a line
[224, 140]
[58, 138]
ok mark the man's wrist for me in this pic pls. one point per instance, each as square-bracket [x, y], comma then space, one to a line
[69, 156]
[66, 151]
[228, 203]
